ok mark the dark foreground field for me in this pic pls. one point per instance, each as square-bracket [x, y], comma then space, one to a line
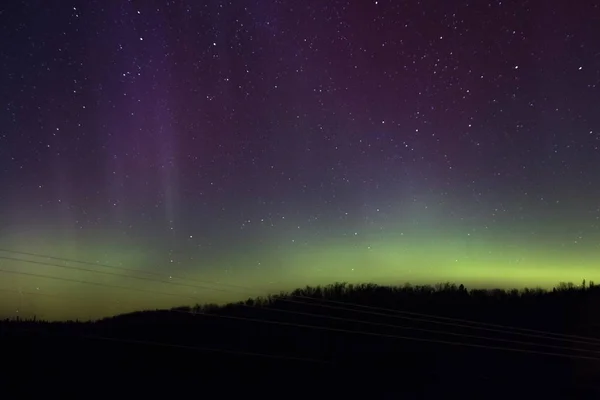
[319, 343]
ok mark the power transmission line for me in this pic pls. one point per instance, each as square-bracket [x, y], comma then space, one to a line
[323, 328]
[566, 337]
[466, 335]
[108, 273]
[195, 348]
[396, 313]
[137, 271]
[370, 323]
[58, 296]
[388, 335]
[92, 283]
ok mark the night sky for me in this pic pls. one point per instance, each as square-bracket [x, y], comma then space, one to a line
[275, 144]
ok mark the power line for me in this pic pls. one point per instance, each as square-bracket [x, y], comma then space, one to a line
[370, 323]
[396, 313]
[466, 335]
[389, 336]
[58, 296]
[197, 348]
[502, 328]
[137, 271]
[92, 283]
[109, 273]
[334, 329]
[211, 349]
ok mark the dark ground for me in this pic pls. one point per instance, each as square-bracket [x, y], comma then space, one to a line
[128, 355]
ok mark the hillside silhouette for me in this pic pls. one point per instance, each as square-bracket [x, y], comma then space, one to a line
[336, 340]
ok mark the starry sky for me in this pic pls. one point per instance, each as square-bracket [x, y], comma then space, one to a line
[274, 144]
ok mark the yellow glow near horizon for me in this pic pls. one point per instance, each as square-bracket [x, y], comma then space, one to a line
[382, 262]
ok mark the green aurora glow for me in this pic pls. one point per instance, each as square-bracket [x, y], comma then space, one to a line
[417, 258]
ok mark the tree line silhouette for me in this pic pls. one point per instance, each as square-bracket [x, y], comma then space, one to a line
[417, 340]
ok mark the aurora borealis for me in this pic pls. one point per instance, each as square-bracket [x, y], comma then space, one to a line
[275, 144]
